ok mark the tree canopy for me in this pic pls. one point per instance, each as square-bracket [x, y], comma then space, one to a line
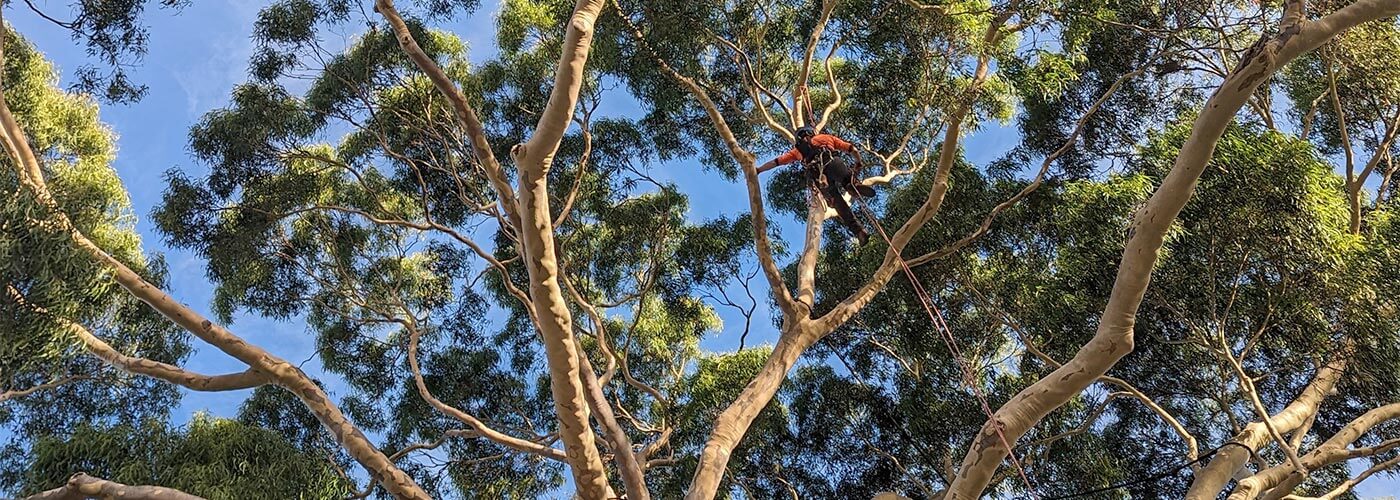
[1179, 279]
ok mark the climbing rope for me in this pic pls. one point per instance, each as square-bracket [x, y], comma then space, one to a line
[1157, 476]
[936, 316]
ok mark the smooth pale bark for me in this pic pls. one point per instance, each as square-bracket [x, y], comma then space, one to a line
[82, 486]
[801, 98]
[1209, 481]
[734, 422]
[170, 373]
[1347, 485]
[811, 248]
[799, 333]
[530, 214]
[1282, 478]
[1114, 337]
[533, 159]
[278, 370]
[624, 457]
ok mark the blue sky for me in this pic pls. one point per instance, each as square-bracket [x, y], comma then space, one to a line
[197, 57]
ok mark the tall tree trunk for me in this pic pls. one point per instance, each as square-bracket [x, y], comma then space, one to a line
[533, 159]
[731, 425]
[1114, 337]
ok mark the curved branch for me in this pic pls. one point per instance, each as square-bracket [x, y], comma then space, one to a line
[1035, 183]
[19, 393]
[805, 73]
[140, 366]
[1114, 337]
[246, 379]
[835, 89]
[1283, 477]
[1209, 481]
[481, 148]
[756, 87]
[369, 488]
[1347, 485]
[284, 373]
[479, 427]
[82, 486]
[762, 244]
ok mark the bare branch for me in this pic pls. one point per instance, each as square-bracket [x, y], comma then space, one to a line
[477, 426]
[82, 486]
[1040, 174]
[463, 110]
[19, 393]
[763, 245]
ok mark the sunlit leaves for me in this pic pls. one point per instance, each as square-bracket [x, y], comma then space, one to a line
[39, 261]
[210, 457]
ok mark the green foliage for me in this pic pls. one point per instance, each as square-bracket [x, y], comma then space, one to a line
[353, 202]
[210, 457]
[112, 33]
[40, 261]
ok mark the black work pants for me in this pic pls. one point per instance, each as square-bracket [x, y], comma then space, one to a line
[838, 177]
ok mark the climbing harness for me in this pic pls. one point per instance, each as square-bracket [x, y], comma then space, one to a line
[935, 315]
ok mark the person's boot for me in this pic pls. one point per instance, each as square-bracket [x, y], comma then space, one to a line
[861, 236]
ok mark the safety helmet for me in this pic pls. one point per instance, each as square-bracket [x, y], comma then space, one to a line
[805, 132]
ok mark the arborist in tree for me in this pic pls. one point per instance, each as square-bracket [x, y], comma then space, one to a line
[824, 168]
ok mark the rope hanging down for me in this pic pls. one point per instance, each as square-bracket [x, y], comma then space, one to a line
[936, 316]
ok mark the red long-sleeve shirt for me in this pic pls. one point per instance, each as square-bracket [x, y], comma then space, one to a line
[820, 141]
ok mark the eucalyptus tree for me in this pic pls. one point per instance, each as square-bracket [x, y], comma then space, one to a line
[354, 187]
[1114, 338]
[43, 365]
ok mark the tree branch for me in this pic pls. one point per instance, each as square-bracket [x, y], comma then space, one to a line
[82, 486]
[1114, 337]
[1035, 183]
[19, 393]
[762, 244]
[1331, 451]
[481, 147]
[477, 426]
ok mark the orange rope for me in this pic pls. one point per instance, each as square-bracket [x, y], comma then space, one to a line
[936, 316]
[807, 103]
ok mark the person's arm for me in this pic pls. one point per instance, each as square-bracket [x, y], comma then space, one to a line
[786, 158]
